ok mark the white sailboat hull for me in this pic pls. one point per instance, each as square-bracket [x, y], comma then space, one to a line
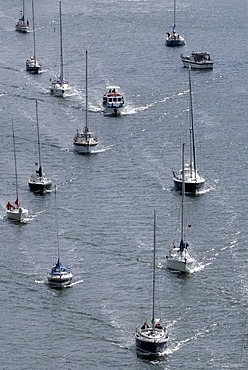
[59, 89]
[85, 148]
[85, 143]
[17, 214]
[59, 280]
[179, 262]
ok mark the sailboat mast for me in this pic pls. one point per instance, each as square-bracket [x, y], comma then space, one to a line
[182, 205]
[192, 124]
[23, 10]
[153, 277]
[174, 25]
[57, 227]
[190, 152]
[86, 90]
[13, 131]
[33, 30]
[61, 46]
[38, 131]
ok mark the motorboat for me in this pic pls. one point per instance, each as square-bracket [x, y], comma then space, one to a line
[174, 39]
[152, 339]
[178, 258]
[59, 86]
[194, 182]
[22, 25]
[201, 60]
[113, 101]
[38, 181]
[15, 212]
[85, 142]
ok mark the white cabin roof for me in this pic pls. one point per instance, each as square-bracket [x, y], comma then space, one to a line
[112, 87]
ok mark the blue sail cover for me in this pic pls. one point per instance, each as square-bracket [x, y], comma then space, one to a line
[182, 246]
[58, 268]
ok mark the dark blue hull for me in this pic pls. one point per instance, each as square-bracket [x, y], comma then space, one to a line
[154, 348]
[174, 43]
[190, 187]
[39, 188]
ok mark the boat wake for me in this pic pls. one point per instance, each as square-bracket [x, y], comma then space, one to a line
[173, 96]
[98, 151]
[31, 217]
[74, 283]
[128, 110]
[198, 267]
[201, 333]
[40, 282]
[204, 191]
[67, 286]
[71, 93]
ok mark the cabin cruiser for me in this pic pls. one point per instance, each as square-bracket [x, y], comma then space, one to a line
[200, 60]
[113, 101]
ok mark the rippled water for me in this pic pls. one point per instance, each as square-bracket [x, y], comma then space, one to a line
[106, 200]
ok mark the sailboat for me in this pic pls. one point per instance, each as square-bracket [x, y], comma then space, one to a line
[59, 86]
[174, 39]
[60, 275]
[32, 64]
[193, 180]
[15, 212]
[178, 258]
[85, 142]
[22, 25]
[152, 339]
[38, 181]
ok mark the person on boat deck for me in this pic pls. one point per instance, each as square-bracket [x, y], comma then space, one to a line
[145, 326]
[158, 326]
[9, 206]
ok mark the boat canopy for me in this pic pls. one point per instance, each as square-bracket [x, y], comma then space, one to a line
[112, 89]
